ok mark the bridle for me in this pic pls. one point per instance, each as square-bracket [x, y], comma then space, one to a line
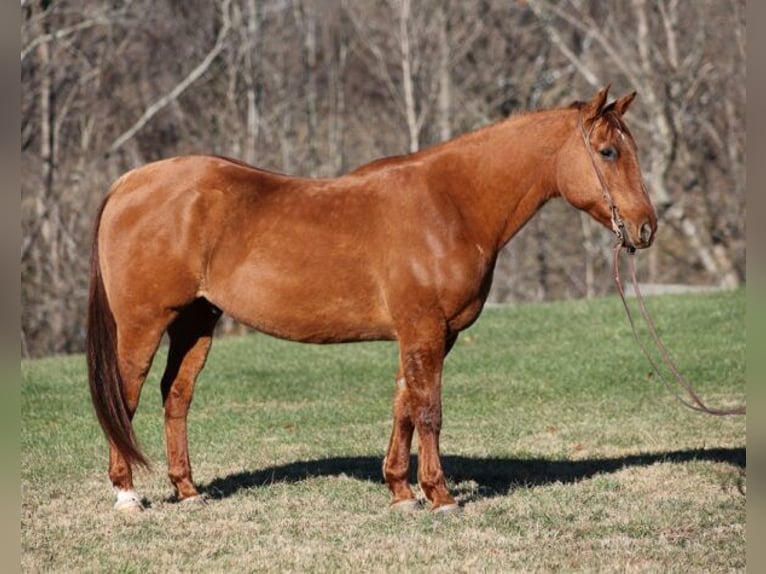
[618, 225]
[623, 240]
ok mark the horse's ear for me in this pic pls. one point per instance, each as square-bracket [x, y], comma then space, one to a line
[621, 106]
[594, 107]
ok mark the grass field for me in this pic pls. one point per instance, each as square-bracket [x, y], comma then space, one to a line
[564, 452]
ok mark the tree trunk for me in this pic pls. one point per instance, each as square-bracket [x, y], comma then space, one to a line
[338, 105]
[307, 21]
[252, 81]
[48, 254]
[407, 80]
[444, 103]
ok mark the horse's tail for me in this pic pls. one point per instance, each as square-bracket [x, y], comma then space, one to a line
[103, 370]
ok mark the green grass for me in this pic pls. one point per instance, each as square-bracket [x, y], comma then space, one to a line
[565, 453]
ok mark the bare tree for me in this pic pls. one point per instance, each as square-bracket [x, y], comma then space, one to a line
[317, 87]
[642, 44]
[180, 87]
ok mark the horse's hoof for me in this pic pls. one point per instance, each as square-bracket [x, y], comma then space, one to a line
[128, 501]
[129, 506]
[405, 506]
[198, 501]
[447, 510]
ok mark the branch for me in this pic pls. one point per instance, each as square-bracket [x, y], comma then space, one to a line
[579, 65]
[173, 94]
[364, 35]
[62, 33]
[582, 22]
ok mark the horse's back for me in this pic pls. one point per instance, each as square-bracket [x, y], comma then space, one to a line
[304, 261]
[294, 257]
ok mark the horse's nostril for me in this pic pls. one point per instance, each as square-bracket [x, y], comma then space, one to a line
[646, 233]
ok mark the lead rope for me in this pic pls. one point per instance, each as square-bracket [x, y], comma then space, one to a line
[695, 403]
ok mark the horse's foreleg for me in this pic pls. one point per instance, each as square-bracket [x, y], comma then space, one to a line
[191, 335]
[396, 465]
[422, 357]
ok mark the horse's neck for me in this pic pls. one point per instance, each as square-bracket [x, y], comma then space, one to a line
[501, 175]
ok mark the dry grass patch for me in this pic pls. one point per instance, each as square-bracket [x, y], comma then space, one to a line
[560, 462]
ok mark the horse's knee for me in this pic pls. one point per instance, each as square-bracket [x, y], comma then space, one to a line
[425, 409]
[428, 416]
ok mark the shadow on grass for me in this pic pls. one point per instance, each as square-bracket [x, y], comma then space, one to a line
[494, 476]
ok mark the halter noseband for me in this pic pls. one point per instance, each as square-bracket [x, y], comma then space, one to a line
[618, 225]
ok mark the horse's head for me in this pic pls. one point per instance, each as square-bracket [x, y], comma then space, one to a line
[598, 172]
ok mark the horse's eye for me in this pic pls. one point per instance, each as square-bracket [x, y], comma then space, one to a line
[608, 153]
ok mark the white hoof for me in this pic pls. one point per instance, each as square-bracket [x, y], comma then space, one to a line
[128, 501]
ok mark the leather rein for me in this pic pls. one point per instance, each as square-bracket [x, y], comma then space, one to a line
[692, 400]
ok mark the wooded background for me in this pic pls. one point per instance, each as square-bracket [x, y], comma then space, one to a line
[316, 88]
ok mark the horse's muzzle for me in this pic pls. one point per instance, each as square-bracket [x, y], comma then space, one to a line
[641, 237]
[646, 234]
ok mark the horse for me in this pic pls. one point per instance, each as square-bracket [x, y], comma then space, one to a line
[401, 249]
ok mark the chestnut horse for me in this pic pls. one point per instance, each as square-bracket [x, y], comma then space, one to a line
[400, 249]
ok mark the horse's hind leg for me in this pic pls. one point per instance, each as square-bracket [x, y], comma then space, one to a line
[137, 343]
[191, 335]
